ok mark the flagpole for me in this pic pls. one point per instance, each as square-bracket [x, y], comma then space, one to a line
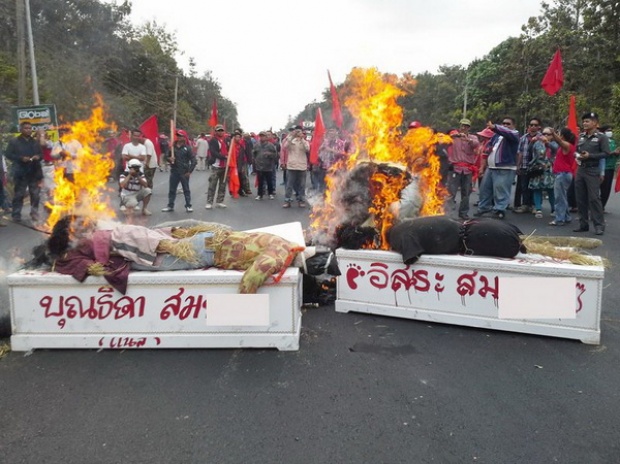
[230, 149]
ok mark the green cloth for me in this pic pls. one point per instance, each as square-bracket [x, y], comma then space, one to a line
[612, 160]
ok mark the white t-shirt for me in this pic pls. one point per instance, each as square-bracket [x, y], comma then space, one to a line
[134, 151]
[150, 150]
[202, 146]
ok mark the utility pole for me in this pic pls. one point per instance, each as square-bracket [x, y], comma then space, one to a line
[176, 101]
[21, 52]
[465, 101]
[33, 65]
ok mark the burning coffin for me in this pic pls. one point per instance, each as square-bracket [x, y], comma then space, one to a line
[530, 293]
[169, 309]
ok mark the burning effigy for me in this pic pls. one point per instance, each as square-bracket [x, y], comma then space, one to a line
[366, 190]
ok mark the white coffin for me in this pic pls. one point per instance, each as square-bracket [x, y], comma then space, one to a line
[178, 309]
[468, 291]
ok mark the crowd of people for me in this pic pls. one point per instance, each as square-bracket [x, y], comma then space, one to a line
[574, 173]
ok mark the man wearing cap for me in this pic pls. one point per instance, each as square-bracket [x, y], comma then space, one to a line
[265, 158]
[182, 164]
[218, 149]
[499, 169]
[462, 158]
[592, 146]
[523, 201]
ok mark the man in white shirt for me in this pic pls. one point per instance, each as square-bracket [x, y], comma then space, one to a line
[150, 163]
[134, 149]
[134, 188]
[202, 148]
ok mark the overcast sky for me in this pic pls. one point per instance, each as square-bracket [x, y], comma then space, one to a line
[271, 56]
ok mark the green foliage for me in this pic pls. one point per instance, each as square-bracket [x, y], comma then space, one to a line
[507, 80]
[85, 47]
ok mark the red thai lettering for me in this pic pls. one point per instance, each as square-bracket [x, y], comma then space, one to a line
[419, 280]
[400, 278]
[581, 289]
[488, 288]
[173, 307]
[377, 275]
[194, 304]
[439, 288]
[126, 307]
[466, 285]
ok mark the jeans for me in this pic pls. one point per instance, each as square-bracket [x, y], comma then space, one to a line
[495, 189]
[296, 182]
[563, 181]
[175, 179]
[462, 180]
[537, 195]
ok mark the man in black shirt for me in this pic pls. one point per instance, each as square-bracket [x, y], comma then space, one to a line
[25, 154]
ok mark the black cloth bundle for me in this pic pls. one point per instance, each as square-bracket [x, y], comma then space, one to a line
[490, 237]
[434, 235]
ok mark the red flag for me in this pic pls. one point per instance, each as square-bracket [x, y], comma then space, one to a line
[317, 137]
[150, 129]
[572, 117]
[336, 112]
[554, 77]
[233, 173]
[213, 118]
[617, 187]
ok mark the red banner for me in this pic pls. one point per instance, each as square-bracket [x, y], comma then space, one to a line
[554, 77]
[317, 137]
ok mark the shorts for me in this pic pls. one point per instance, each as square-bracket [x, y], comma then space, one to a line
[132, 199]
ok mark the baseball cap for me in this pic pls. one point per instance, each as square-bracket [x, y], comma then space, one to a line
[465, 122]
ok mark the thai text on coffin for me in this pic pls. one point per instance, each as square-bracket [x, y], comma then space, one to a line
[405, 284]
[182, 305]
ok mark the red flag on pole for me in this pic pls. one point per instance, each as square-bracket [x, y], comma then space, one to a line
[336, 112]
[317, 137]
[213, 118]
[554, 77]
[150, 129]
[233, 174]
[572, 116]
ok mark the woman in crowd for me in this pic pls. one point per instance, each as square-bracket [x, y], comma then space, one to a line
[563, 168]
[540, 170]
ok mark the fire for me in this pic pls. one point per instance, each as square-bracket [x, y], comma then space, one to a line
[85, 195]
[377, 139]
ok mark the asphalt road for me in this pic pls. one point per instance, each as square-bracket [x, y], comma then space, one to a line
[361, 388]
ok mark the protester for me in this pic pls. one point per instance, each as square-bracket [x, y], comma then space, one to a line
[134, 149]
[150, 163]
[164, 148]
[462, 159]
[134, 188]
[499, 169]
[539, 170]
[25, 154]
[591, 148]
[218, 152]
[244, 161]
[182, 164]
[202, 148]
[563, 168]
[265, 159]
[523, 201]
[295, 160]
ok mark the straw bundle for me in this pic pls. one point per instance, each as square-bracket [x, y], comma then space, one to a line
[183, 232]
[575, 242]
[96, 269]
[4, 350]
[539, 246]
[182, 249]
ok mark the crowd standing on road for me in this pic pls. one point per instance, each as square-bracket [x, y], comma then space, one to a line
[574, 174]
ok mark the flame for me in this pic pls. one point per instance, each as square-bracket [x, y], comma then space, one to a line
[372, 102]
[86, 194]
